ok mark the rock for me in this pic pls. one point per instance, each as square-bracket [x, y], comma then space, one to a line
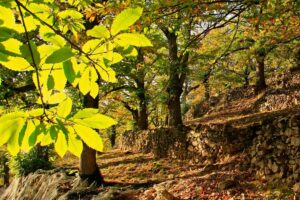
[164, 195]
[295, 141]
[194, 143]
[274, 167]
[296, 187]
[190, 148]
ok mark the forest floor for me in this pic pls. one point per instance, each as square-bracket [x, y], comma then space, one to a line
[140, 176]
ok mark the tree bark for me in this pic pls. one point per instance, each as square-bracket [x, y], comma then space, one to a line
[206, 84]
[143, 115]
[88, 169]
[177, 73]
[260, 72]
[246, 76]
[141, 93]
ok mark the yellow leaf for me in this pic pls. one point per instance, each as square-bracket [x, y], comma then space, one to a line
[94, 90]
[13, 142]
[107, 74]
[15, 63]
[75, 144]
[84, 82]
[90, 137]
[61, 145]
[59, 77]
[12, 45]
[7, 18]
[57, 98]
[64, 108]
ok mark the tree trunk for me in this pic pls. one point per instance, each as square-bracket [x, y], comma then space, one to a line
[143, 115]
[113, 135]
[260, 72]
[206, 84]
[88, 169]
[141, 92]
[246, 76]
[174, 88]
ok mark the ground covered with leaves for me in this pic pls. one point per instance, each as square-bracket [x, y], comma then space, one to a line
[140, 176]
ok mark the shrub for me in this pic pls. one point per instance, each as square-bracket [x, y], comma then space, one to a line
[25, 163]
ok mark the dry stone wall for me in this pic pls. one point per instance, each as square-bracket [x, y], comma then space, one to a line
[272, 145]
[162, 142]
[275, 153]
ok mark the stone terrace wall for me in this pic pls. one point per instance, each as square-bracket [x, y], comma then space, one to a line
[272, 145]
[275, 153]
[162, 142]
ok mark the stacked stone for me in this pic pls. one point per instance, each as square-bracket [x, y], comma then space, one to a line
[209, 143]
[275, 153]
[280, 101]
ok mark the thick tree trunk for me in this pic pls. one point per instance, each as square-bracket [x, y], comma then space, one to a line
[175, 118]
[141, 92]
[260, 73]
[175, 84]
[88, 169]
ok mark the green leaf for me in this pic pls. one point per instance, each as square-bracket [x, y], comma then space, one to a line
[27, 54]
[69, 71]
[64, 108]
[28, 132]
[48, 35]
[40, 128]
[98, 32]
[60, 55]
[125, 19]
[6, 33]
[85, 113]
[90, 137]
[61, 145]
[50, 82]
[97, 121]
[74, 144]
[133, 39]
